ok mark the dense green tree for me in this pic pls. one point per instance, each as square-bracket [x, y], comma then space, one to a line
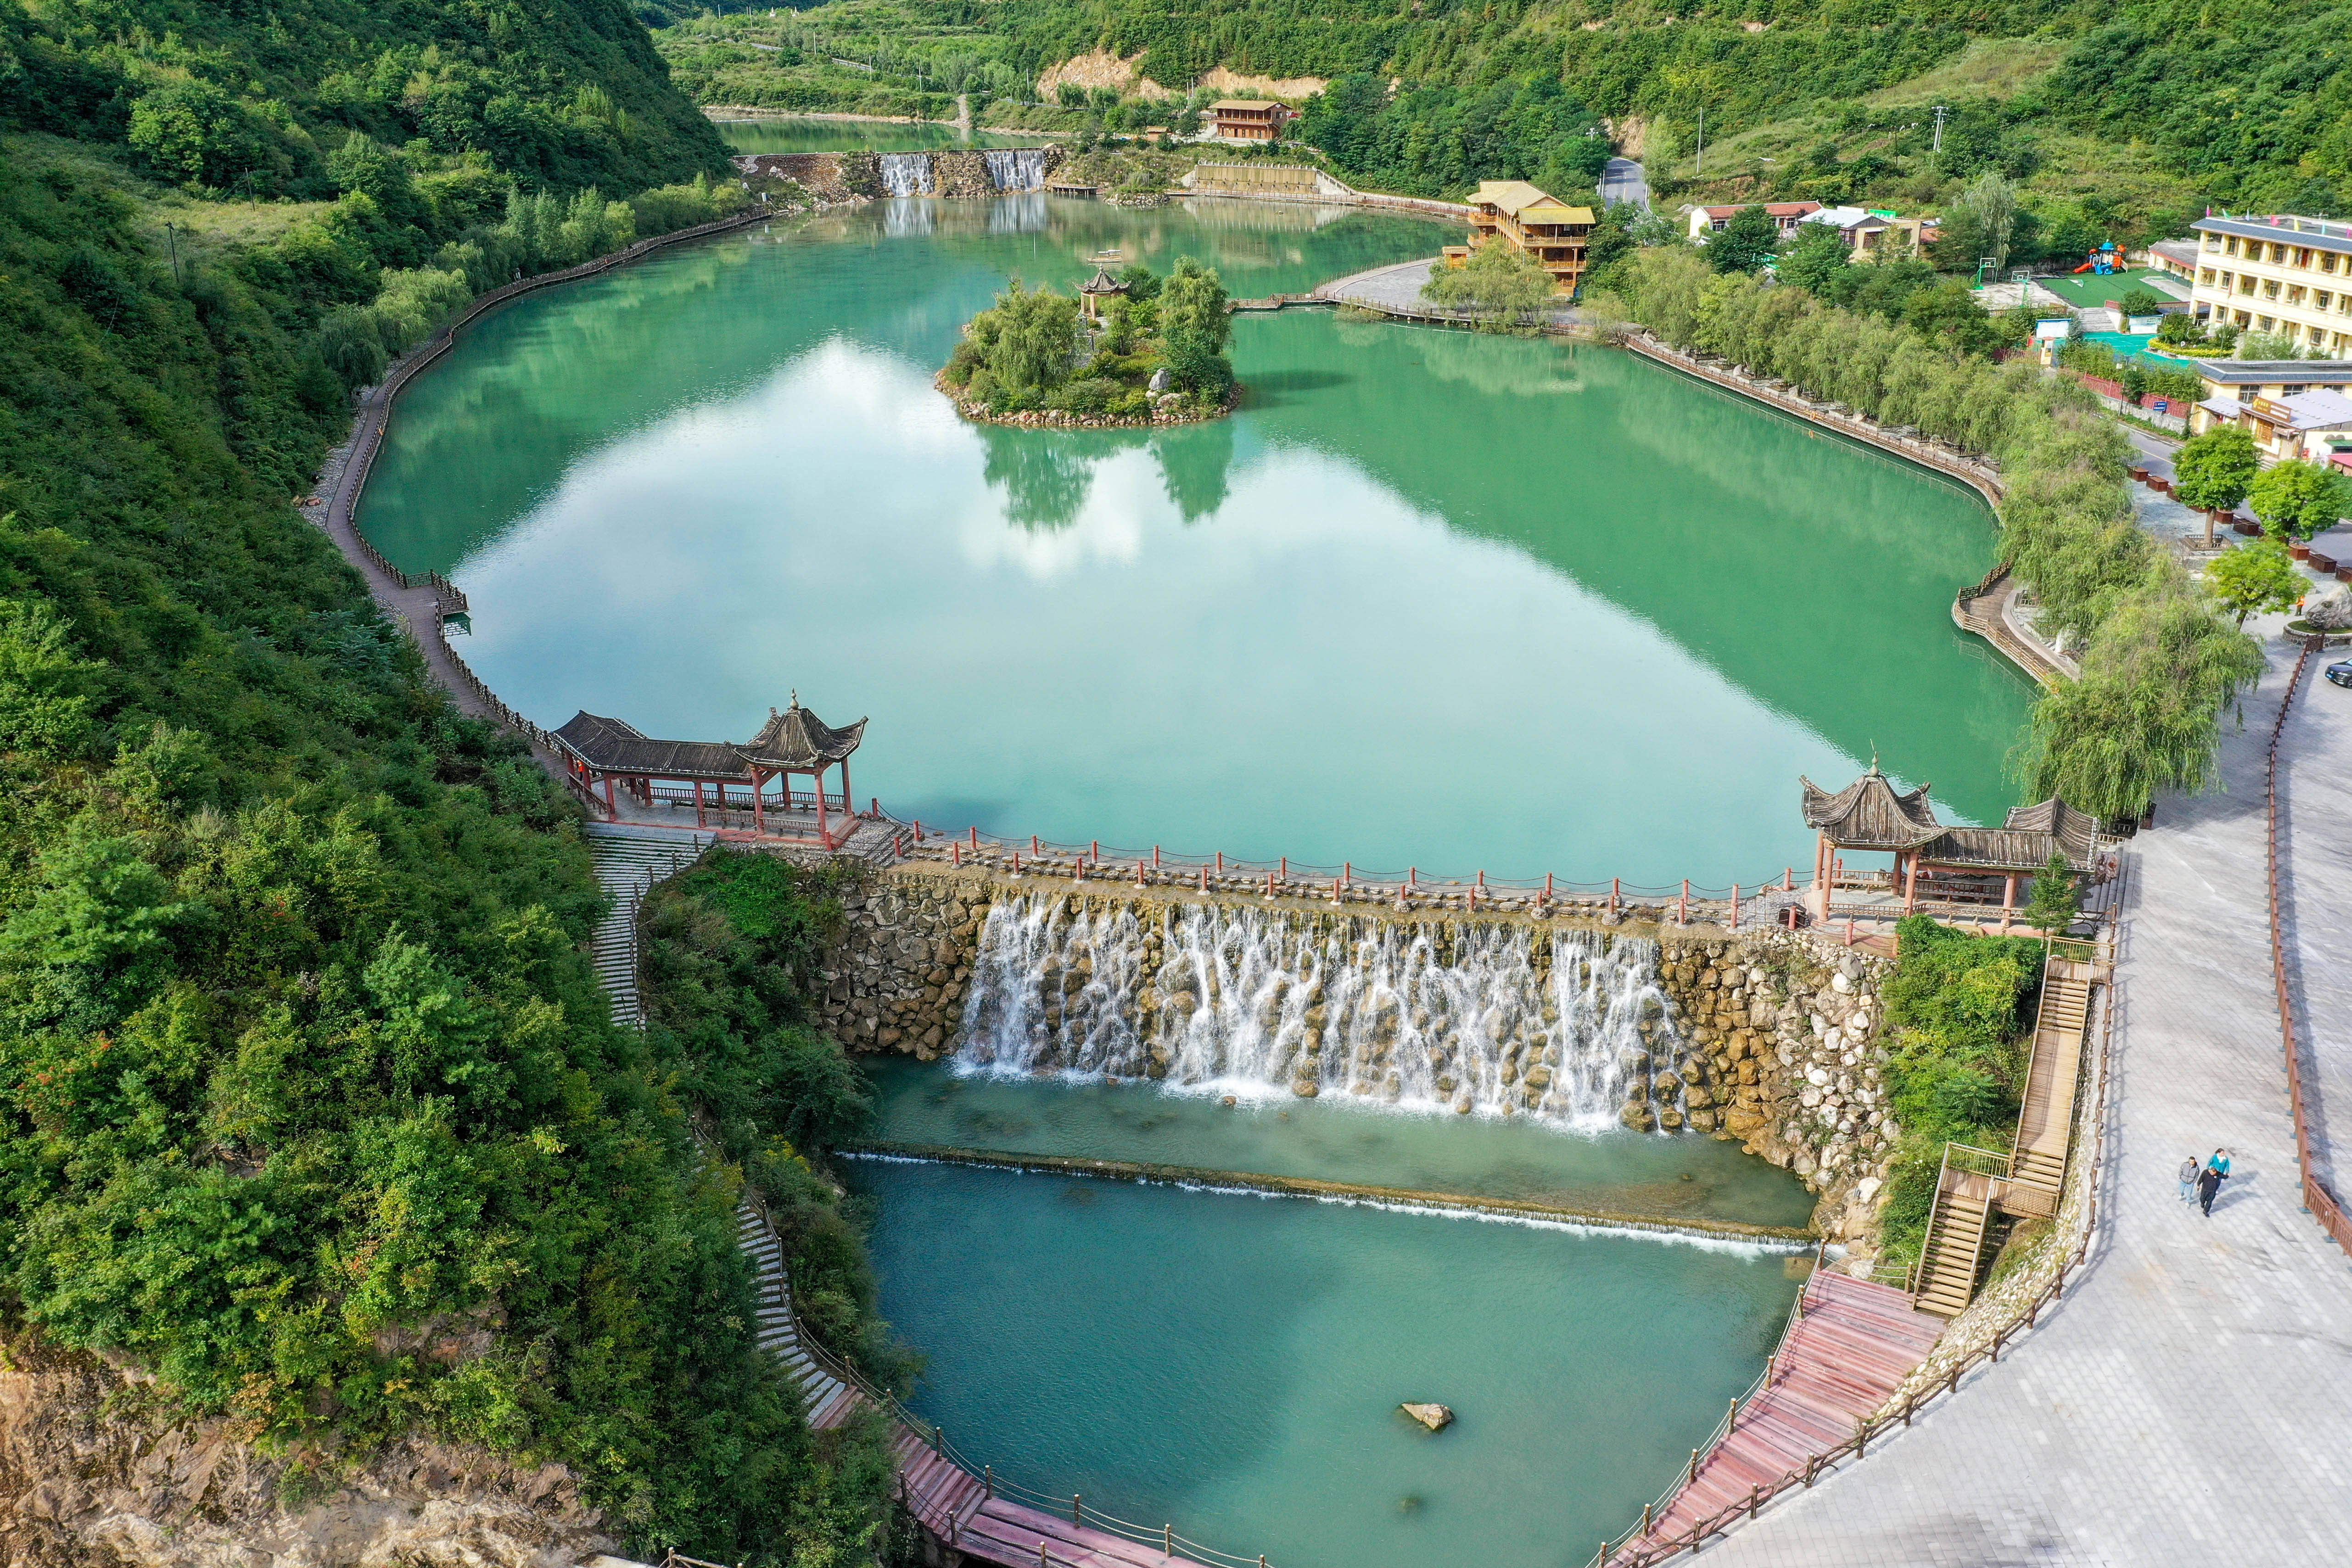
[2259, 578]
[1499, 282]
[2296, 499]
[1745, 242]
[2051, 901]
[2213, 471]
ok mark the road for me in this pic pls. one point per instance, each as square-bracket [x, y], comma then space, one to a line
[1623, 181]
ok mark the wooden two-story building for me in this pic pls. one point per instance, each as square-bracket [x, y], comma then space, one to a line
[1249, 119]
[1547, 229]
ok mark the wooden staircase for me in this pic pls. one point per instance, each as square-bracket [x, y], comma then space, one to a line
[628, 861]
[2029, 1181]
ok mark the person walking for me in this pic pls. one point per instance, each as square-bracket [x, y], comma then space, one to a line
[2221, 1161]
[2188, 1179]
[2208, 1182]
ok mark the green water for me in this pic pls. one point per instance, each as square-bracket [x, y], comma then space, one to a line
[1233, 1365]
[789, 134]
[1439, 1151]
[1431, 599]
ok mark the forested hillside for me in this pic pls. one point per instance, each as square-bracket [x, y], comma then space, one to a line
[2130, 113]
[309, 1103]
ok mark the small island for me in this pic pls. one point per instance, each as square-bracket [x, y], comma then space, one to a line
[1134, 349]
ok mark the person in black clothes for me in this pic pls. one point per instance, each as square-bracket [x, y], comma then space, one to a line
[2208, 1182]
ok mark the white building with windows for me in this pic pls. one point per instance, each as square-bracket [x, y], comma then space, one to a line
[2278, 274]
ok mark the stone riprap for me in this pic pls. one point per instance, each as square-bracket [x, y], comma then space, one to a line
[1770, 1038]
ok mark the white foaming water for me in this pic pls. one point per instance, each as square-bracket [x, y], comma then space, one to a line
[1492, 1018]
[906, 174]
[1016, 168]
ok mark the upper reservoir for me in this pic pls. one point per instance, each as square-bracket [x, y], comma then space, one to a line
[1429, 598]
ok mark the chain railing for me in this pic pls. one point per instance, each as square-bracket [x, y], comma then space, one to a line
[1763, 903]
[2317, 1201]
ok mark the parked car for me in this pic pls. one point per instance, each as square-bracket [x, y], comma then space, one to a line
[2340, 672]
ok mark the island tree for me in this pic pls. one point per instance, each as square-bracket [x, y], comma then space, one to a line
[1745, 243]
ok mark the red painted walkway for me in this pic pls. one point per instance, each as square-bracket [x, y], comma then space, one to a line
[1855, 1346]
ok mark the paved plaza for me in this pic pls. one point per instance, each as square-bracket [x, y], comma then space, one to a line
[2190, 1401]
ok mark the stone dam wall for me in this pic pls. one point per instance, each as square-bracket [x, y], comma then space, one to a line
[1770, 1038]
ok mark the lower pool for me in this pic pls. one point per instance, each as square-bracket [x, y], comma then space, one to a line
[1233, 1365]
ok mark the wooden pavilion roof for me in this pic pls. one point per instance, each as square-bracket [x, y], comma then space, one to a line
[1871, 813]
[1102, 282]
[799, 739]
[794, 741]
[614, 746]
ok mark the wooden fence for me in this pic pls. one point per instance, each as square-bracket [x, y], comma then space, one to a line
[2078, 1246]
[2317, 1201]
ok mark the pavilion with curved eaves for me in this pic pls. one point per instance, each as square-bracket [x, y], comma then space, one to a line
[1977, 866]
[610, 758]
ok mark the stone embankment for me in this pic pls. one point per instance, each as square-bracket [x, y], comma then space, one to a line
[1771, 1037]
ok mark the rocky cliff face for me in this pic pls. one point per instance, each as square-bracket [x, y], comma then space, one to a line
[1770, 1038]
[1786, 1055]
[86, 1481]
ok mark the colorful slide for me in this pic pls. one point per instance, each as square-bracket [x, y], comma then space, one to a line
[2103, 260]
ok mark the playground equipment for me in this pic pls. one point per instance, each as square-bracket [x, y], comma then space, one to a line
[2103, 260]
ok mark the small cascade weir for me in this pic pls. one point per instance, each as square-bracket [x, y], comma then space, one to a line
[1497, 1018]
[1016, 168]
[906, 174]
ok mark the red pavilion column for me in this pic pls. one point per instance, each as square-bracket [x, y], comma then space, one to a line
[818, 777]
[759, 789]
[848, 802]
[698, 804]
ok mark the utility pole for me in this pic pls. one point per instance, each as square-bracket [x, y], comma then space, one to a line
[172, 237]
[1699, 161]
[1938, 149]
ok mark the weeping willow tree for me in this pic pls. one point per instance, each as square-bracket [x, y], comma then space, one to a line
[2146, 714]
[2160, 662]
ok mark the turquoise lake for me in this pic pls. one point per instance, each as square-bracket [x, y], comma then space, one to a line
[1429, 599]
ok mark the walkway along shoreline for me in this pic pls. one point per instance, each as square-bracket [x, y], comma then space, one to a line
[411, 599]
[1347, 1192]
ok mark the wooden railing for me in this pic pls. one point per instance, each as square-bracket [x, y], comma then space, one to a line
[934, 1437]
[2077, 1245]
[2317, 1201]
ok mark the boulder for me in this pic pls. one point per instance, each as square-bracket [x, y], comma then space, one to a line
[1161, 380]
[1436, 1418]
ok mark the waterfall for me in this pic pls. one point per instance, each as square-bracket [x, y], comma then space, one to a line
[1016, 168]
[906, 174]
[1493, 1018]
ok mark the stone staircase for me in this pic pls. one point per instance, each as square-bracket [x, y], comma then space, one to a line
[628, 861]
[825, 1399]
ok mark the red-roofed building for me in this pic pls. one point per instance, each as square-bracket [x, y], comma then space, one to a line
[1786, 216]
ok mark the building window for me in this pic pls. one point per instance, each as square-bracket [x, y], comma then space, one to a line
[2302, 256]
[2319, 298]
[2265, 322]
[2231, 246]
[2244, 319]
[2205, 276]
[2278, 255]
[2269, 287]
[2327, 261]
[2294, 295]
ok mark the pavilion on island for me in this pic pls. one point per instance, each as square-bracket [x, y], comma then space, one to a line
[1095, 291]
[609, 756]
[1937, 864]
